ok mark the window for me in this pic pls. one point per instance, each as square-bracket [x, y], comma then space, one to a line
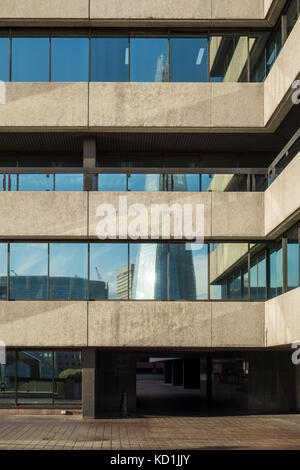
[293, 269]
[292, 15]
[188, 59]
[68, 182]
[35, 182]
[34, 377]
[112, 182]
[30, 59]
[149, 59]
[68, 271]
[228, 271]
[4, 59]
[188, 273]
[150, 266]
[3, 270]
[70, 59]
[109, 271]
[28, 271]
[229, 59]
[275, 273]
[67, 380]
[258, 275]
[109, 59]
[7, 379]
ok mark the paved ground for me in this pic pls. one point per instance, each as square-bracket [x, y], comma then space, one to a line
[70, 432]
[170, 418]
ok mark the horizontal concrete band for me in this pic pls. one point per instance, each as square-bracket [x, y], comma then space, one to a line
[255, 12]
[227, 215]
[150, 324]
[160, 107]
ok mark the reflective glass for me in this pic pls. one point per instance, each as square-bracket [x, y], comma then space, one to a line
[206, 182]
[228, 265]
[149, 59]
[258, 276]
[112, 182]
[68, 182]
[70, 59]
[228, 59]
[109, 271]
[35, 385]
[293, 280]
[151, 182]
[109, 59]
[4, 59]
[275, 274]
[150, 266]
[3, 270]
[28, 270]
[68, 271]
[35, 182]
[188, 59]
[188, 273]
[7, 379]
[292, 15]
[30, 59]
[67, 377]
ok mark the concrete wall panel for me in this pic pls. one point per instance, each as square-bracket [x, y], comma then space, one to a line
[238, 324]
[45, 105]
[43, 214]
[282, 198]
[30, 9]
[149, 324]
[43, 324]
[233, 9]
[283, 319]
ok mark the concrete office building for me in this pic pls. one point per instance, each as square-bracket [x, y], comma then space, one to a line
[165, 102]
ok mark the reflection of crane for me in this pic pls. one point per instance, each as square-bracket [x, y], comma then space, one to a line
[98, 274]
[13, 271]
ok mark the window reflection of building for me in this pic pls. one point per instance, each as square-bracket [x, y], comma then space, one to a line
[124, 282]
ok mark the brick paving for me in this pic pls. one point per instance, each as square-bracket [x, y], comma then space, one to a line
[162, 433]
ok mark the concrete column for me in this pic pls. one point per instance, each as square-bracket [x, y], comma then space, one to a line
[89, 161]
[177, 372]
[208, 377]
[191, 373]
[89, 366]
[273, 382]
[116, 378]
[168, 372]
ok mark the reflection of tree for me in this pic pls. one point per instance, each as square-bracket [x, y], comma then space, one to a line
[161, 74]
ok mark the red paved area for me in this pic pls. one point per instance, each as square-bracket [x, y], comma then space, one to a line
[71, 432]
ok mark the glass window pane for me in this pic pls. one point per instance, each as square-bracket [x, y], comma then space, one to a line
[152, 182]
[188, 273]
[258, 275]
[188, 59]
[35, 384]
[293, 260]
[229, 59]
[3, 270]
[109, 59]
[227, 262]
[68, 271]
[30, 59]
[150, 266]
[4, 59]
[68, 182]
[35, 182]
[28, 270]
[112, 182]
[7, 379]
[206, 182]
[275, 263]
[109, 271]
[292, 15]
[149, 59]
[70, 59]
[67, 377]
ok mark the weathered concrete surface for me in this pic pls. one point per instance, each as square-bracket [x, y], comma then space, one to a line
[45, 105]
[282, 319]
[43, 214]
[282, 198]
[43, 323]
[238, 324]
[33, 9]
